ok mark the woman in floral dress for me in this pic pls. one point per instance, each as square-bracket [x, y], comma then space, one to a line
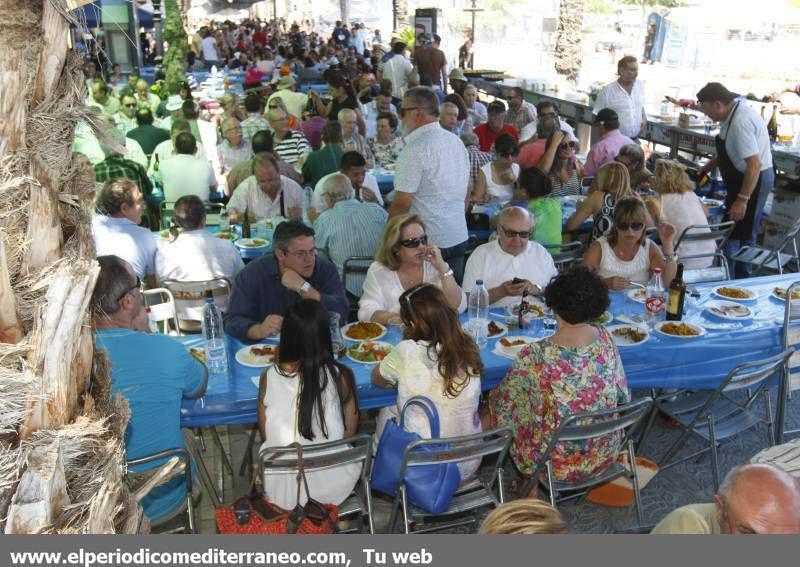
[577, 370]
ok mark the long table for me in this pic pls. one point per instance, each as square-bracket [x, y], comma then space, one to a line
[661, 362]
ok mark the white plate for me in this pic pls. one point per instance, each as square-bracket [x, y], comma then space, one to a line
[539, 310]
[252, 242]
[624, 340]
[347, 328]
[604, 319]
[234, 236]
[513, 351]
[246, 358]
[697, 328]
[360, 346]
[637, 295]
[729, 310]
[503, 330]
[751, 295]
[712, 202]
[779, 298]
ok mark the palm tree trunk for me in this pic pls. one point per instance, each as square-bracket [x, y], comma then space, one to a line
[569, 55]
[400, 13]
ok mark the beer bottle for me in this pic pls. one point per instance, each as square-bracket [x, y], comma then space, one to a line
[677, 293]
[246, 224]
[772, 125]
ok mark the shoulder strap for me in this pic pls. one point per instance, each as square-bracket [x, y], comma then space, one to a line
[430, 411]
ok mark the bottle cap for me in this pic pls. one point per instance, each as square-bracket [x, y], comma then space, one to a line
[478, 282]
[657, 270]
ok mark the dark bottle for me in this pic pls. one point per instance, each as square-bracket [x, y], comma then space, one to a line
[772, 125]
[677, 293]
[246, 224]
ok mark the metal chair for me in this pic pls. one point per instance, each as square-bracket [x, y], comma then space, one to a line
[162, 309]
[178, 463]
[191, 296]
[718, 415]
[790, 338]
[719, 233]
[355, 266]
[587, 426]
[717, 272]
[774, 260]
[472, 494]
[566, 254]
[325, 456]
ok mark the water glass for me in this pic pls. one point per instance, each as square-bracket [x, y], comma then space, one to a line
[224, 224]
[395, 329]
[261, 227]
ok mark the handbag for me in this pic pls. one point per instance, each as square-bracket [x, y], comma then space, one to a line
[430, 487]
[253, 513]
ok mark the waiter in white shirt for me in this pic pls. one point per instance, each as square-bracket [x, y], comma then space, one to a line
[626, 97]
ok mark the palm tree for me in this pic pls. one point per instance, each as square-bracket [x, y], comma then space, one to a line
[400, 12]
[569, 56]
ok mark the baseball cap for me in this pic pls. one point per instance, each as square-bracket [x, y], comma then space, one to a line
[715, 91]
[496, 107]
[606, 115]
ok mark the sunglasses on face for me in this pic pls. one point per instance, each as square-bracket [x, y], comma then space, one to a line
[567, 145]
[524, 234]
[414, 242]
[630, 226]
[401, 111]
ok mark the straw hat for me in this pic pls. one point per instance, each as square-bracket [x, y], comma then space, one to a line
[285, 82]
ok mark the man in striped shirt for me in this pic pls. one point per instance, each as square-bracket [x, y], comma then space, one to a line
[290, 145]
[347, 227]
[353, 141]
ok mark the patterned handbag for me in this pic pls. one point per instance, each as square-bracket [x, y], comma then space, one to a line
[255, 514]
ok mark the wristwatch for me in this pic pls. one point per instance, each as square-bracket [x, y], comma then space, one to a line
[304, 289]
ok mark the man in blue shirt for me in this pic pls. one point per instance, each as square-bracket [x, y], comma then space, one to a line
[265, 289]
[154, 372]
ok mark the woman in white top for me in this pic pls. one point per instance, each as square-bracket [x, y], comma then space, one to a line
[625, 255]
[497, 179]
[437, 360]
[308, 397]
[405, 259]
[679, 205]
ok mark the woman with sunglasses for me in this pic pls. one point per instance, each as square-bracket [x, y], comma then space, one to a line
[560, 164]
[626, 255]
[497, 179]
[405, 259]
[678, 204]
[438, 360]
[308, 397]
[613, 185]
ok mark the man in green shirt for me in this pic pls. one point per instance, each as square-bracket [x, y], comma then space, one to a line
[753, 499]
[325, 160]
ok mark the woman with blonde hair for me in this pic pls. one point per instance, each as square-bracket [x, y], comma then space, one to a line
[437, 360]
[613, 184]
[678, 204]
[525, 516]
[405, 259]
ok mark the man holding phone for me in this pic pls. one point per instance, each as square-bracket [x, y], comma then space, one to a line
[513, 263]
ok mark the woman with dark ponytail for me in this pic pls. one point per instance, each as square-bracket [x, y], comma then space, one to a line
[343, 96]
[308, 397]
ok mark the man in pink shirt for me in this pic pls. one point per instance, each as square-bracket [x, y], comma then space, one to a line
[611, 140]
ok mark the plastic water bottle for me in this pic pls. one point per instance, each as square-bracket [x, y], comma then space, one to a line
[216, 354]
[152, 324]
[479, 314]
[656, 299]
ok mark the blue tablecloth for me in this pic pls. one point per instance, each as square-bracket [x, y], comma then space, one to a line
[385, 180]
[662, 361]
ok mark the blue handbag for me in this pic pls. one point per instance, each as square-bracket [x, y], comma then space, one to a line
[430, 487]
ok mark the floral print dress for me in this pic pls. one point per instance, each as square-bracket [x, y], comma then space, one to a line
[546, 384]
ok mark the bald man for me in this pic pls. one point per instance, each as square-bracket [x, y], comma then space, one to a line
[753, 499]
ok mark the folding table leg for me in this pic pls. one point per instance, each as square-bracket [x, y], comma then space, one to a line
[247, 460]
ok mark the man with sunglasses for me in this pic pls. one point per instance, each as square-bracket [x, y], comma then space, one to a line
[267, 286]
[125, 119]
[153, 372]
[753, 499]
[611, 141]
[432, 177]
[513, 263]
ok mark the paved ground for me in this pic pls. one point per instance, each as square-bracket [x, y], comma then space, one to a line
[671, 488]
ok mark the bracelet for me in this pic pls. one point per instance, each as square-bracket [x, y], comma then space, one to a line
[743, 197]
[670, 258]
[447, 273]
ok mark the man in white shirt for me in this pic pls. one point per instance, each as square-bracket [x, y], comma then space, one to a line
[365, 185]
[432, 176]
[185, 174]
[381, 103]
[511, 264]
[267, 193]
[125, 119]
[234, 149]
[209, 45]
[398, 69]
[166, 149]
[115, 227]
[195, 255]
[626, 97]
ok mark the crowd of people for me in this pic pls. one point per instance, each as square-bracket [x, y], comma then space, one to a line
[304, 160]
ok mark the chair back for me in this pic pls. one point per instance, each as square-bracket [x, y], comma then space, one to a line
[445, 450]
[719, 233]
[566, 254]
[755, 374]
[355, 266]
[142, 482]
[163, 310]
[718, 270]
[190, 297]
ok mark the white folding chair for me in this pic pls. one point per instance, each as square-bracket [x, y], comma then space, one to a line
[162, 309]
[719, 233]
[717, 272]
[191, 296]
[774, 260]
